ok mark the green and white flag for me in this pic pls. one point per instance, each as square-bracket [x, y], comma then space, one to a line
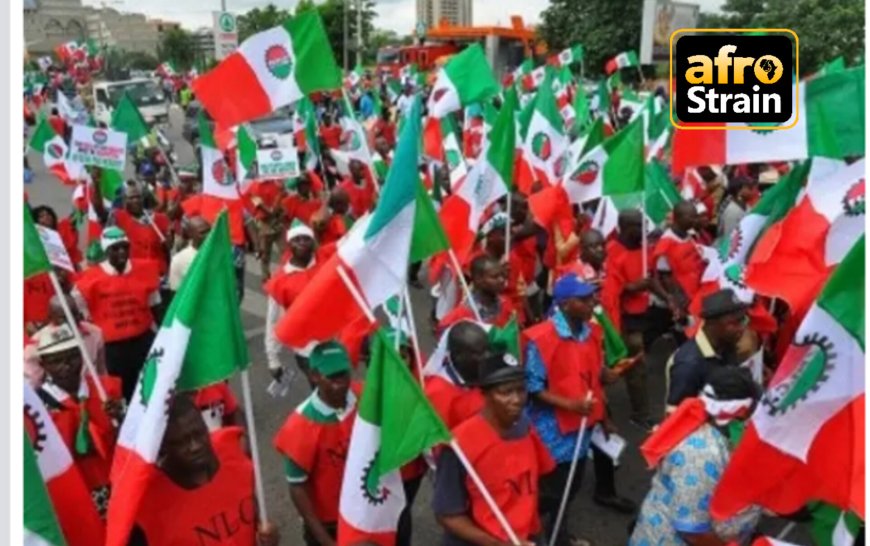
[453, 155]
[200, 342]
[127, 119]
[41, 527]
[614, 167]
[832, 526]
[395, 423]
[465, 79]
[35, 258]
[217, 178]
[355, 75]
[55, 153]
[246, 155]
[571, 55]
[545, 142]
[623, 60]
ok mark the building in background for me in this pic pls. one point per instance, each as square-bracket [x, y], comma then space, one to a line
[456, 12]
[50, 23]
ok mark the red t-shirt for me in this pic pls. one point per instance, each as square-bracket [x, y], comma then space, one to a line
[145, 243]
[331, 136]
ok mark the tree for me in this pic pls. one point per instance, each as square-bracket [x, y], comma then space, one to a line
[604, 28]
[178, 46]
[258, 20]
[826, 28]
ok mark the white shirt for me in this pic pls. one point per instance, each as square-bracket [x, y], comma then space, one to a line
[179, 265]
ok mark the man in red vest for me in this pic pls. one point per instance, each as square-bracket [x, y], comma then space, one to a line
[502, 446]
[204, 490]
[120, 293]
[452, 388]
[564, 366]
[678, 262]
[314, 442]
[148, 232]
[360, 188]
[489, 283]
[83, 421]
[283, 289]
[303, 203]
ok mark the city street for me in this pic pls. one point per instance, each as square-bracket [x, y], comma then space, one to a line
[585, 519]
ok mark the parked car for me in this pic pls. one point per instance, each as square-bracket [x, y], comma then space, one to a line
[266, 130]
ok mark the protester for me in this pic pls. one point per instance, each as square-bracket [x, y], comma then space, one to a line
[453, 389]
[314, 441]
[200, 475]
[689, 454]
[148, 232]
[714, 346]
[563, 367]
[86, 424]
[120, 293]
[489, 283]
[197, 230]
[741, 191]
[501, 445]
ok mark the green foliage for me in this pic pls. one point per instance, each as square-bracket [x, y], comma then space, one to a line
[826, 29]
[178, 46]
[258, 20]
[604, 28]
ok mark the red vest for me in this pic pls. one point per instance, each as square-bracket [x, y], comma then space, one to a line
[209, 207]
[221, 512]
[284, 288]
[625, 266]
[296, 206]
[145, 244]
[684, 258]
[37, 293]
[119, 304]
[573, 368]
[510, 470]
[454, 404]
[464, 312]
[320, 449]
[94, 466]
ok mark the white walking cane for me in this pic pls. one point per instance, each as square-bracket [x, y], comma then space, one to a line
[564, 503]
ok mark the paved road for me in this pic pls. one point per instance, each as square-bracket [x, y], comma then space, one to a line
[584, 518]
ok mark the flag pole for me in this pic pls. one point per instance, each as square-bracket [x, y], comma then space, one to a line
[357, 297]
[415, 342]
[74, 326]
[507, 231]
[644, 242]
[471, 303]
[255, 450]
[472, 473]
[401, 312]
[571, 472]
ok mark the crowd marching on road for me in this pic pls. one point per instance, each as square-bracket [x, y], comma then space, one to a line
[416, 315]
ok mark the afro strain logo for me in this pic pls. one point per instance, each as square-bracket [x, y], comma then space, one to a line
[853, 201]
[372, 490]
[220, 173]
[542, 146]
[811, 361]
[728, 247]
[278, 62]
[586, 173]
[35, 428]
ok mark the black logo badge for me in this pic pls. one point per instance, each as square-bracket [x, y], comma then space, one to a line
[734, 78]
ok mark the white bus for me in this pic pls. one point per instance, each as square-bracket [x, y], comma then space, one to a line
[145, 93]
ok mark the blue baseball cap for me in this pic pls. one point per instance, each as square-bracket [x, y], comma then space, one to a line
[571, 286]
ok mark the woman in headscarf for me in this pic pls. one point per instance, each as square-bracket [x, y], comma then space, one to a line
[690, 452]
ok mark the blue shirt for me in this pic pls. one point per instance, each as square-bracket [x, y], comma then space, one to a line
[561, 446]
[366, 106]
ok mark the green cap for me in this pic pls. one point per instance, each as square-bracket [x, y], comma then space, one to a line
[330, 358]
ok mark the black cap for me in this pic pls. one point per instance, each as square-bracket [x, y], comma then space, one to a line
[499, 367]
[721, 303]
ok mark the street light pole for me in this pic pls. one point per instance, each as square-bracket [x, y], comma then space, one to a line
[359, 31]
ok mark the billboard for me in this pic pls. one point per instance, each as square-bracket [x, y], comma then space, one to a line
[660, 19]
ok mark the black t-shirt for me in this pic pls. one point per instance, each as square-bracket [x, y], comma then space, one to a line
[691, 366]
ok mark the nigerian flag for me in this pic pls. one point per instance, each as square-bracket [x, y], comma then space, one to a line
[246, 154]
[614, 167]
[127, 119]
[201, 342]
[35, 258]
[40, 522]
[465, 79]
[573, 54]
[395, 423]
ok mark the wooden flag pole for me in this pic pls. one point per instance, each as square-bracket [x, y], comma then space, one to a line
[471, 303]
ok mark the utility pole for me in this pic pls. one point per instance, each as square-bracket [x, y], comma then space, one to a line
[344, 34]
[223, 5]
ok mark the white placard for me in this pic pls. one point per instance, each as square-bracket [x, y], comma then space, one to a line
[55, 248]
[277, 163]
[612, 446]
[226, 34]
[99, 147]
